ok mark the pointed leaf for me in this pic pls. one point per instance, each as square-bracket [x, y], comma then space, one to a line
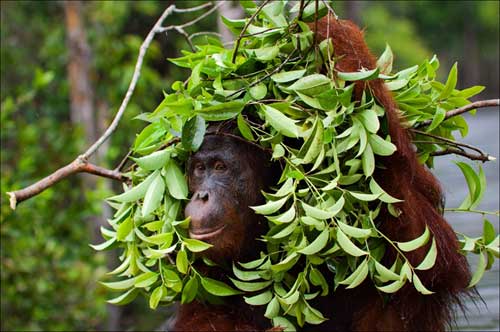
[415, 243]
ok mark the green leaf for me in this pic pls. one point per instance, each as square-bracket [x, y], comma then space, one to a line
[317, 279]
[157, 294]
[280, 122]
[253, 264]
[258, 92]
[364, 197]
[153, 196]
[104, 245]
[181, 262]
[415, 243]
[265, 53]
[419, 286]
[437, 119]
[323, 214]
[380, 146]
[314, 143]
[488, 232]
[222, 111]
[359, 75]
[284, 323]
[270, 206]
[260, 299]
[284, 218]
[385, 273]
[360, 271]
[193, 133]
[244, 128]
[392, 287]
[217, 288]
[481, 267]
[288, 76]
[318, 243]
[384, 63]
[153, 161]
[146, 279]
[196, 245]
[245, 275]
[272, 309]
[251, 286]
[189, 290]
[125, 298]
[348, 246]
[470, 92]
[359, 233]
[312, 84]
[430, 259]
[124, 229]
[369, 119]
[368, 161]
[119, 285]
[451, 83]
[176, 182]
[384, 197]
[137, 192]
[285, 231]
[473, 183]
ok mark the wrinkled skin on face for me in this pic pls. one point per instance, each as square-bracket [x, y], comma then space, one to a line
[226, 176]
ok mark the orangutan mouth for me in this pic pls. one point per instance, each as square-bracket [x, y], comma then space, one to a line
[203, 234]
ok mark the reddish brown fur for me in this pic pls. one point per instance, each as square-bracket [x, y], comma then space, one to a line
[363, 308]
[406, 179]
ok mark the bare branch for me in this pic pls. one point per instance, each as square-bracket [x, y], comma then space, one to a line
[250, 20]
[79, 165]
[457, 148]
[481, 157]
[463, 109]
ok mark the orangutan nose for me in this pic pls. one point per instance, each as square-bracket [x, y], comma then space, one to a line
[202, 195]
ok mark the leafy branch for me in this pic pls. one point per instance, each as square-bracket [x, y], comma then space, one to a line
[81, 164]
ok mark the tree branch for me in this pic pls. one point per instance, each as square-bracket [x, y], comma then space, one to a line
[250, 20]
[481, 157]
[457, 147]
[463, 109]
[81, 164]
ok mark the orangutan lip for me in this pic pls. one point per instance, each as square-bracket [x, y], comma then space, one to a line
[206, 233]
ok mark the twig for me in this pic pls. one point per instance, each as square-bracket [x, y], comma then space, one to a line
[449, 141]
[301, 10]
[457, 147]
[481, 157]
[123, 161]
[463, 109]
[277, 69]
[250, 20]
[330, 9]
[493, 213]
[79, 165]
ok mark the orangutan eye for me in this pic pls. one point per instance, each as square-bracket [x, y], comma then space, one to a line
[220, 166]
[199, 167]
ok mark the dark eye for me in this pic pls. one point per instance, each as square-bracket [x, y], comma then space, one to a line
[199, 167]
[220, 166]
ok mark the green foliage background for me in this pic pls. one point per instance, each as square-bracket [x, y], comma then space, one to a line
[48, 272]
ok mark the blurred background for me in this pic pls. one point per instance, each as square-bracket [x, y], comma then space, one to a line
[65, 67]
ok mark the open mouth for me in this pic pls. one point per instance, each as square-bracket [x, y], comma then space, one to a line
[203, 234]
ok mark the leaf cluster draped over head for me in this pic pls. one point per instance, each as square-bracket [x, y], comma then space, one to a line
[284, 93]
